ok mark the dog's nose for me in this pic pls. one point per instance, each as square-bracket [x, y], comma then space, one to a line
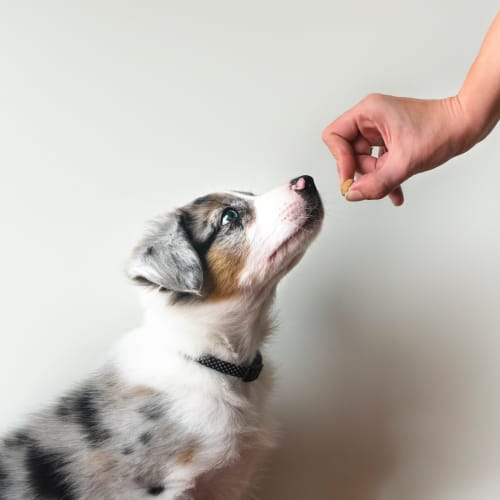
[304, 187]
[303, 183]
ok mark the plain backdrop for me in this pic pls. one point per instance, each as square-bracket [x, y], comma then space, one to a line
[388, 346]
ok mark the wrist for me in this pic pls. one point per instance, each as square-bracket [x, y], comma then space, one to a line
[467, 123]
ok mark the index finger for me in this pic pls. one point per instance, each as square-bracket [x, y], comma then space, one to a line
[339, 136]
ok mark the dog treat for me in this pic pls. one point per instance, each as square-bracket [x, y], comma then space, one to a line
[346, 185]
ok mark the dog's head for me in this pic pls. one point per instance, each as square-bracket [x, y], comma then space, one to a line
[227, 244]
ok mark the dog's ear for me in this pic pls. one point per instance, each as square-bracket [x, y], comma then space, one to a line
[166, 258]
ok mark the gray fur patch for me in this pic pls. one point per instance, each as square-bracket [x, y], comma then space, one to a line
[3, 480]
[153, 409]
[63, 454]
[167, 259]
[19, 438]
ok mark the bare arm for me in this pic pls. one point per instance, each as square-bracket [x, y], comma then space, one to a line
[480, 92]
[418, 134]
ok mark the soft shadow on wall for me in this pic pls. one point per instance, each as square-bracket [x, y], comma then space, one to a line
[341, 447]
[389, 408]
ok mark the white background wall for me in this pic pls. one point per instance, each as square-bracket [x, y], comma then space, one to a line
[389, 344]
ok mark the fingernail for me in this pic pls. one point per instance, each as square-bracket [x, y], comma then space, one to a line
[354, 196]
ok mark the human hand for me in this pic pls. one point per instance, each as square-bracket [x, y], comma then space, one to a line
[417, 135]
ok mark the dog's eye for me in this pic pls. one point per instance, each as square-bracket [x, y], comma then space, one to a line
[230, 215]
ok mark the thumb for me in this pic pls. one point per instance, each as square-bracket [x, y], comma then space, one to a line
[379, 182]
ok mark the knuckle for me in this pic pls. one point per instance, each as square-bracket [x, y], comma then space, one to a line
[327, 135]
[374, 99]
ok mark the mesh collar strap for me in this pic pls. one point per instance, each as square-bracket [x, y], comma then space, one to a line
[246, 373]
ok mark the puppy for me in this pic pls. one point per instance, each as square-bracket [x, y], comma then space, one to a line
[178, 410]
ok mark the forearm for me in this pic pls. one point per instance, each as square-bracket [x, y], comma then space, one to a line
[479, 96]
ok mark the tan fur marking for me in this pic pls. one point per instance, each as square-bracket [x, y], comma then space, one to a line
[99, 466]
[141, 390]
[99, 461]
[186, 455]
[224, 270]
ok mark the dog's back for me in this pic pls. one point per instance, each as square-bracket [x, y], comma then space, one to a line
[100, 439]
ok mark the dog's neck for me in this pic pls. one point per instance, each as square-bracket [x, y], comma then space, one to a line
[232, 329]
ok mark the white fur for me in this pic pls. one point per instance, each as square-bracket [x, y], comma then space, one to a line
[280, 215]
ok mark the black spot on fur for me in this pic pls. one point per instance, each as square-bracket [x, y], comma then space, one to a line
[156, 489]
[65, 407]
[18, 439]
[3, 481]
[47, 474]
[86, 411]
[128, 451]
[201, 233]
[202, 247]
[145, 437]
[152, 410]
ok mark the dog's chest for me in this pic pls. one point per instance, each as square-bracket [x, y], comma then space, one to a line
[230, 437]
[220, 419]
[206, 423]
[217, 434]
[216, 416]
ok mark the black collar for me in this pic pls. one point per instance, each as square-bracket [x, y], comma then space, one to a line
[246, 373]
